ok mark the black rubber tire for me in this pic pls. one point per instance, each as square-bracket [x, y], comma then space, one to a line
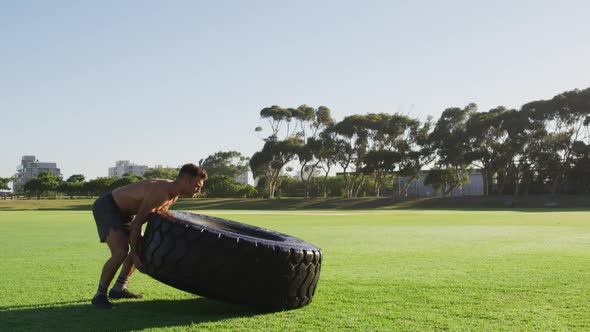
[230, 261]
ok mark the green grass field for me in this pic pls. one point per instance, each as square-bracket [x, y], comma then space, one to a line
[383, 270]
[581, 202]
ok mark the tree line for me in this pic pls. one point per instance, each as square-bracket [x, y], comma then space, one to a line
[543, 147]
[225, 167]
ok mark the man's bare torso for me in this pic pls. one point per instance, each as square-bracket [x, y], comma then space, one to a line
[129, 198]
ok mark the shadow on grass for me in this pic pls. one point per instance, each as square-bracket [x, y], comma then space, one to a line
[65, 207]
[285, 204]
[537, 203]
[534, 204]
[128, 315]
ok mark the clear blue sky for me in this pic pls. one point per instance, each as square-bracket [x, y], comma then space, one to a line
[86, 83]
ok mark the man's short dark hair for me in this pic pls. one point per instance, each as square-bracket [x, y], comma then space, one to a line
[193, 170]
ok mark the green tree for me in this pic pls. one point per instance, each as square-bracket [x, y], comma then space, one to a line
[445, 180]
[382, 164]
[225, 186]
[581, 170]
[49, 181]
[98, 186]
[566, 118]
[289, 186]
[276, 152]
[334, 186]
[310, 154]
[451, 142]
[328, 154]
[125, 180]
[161, 173]
[521, 153]
[393, 145]
[276, 117]
[306, 155]
[219, 186]
[487, 135]
[304, 118]
[226, 163]
[376, 144]
[34, 187]
[354, 143]
[416, 152]
[70, 188]
[76, 178]
[274, 155]
[4, 183]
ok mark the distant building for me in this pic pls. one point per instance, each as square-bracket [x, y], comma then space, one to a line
[30, 168]
[310, 171]
[123, 167]
[417, 188]
[247, 178]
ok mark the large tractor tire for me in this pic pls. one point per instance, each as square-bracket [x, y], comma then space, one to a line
[230, 261]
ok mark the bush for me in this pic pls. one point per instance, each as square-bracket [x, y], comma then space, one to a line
[125, 180]
[98, 186]
[334, 186]
[221, 186]
[290, 187]
[246, 191]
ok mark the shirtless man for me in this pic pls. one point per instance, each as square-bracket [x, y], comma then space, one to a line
[114, 213]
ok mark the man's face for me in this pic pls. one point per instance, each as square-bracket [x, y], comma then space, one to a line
[193, 185]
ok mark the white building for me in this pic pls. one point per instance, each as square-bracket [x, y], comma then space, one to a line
[417, 188]
[123, 167]
[310, 171]
[247, 178]
[30, 168]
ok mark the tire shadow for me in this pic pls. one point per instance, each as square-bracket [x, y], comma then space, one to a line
[127, 315]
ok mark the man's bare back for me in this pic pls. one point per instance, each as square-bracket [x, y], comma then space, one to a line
[129, 198]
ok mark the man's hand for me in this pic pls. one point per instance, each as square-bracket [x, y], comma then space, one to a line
[154, 201]
[135, 242]
[166, 213]
[135, 259]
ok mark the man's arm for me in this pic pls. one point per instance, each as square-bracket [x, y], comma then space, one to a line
[151, 202]
[164, 208]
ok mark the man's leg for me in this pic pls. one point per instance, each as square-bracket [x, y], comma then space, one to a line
[119, 290]
[117, 242]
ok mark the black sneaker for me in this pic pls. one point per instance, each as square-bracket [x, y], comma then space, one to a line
[101, 302]
[124, 294]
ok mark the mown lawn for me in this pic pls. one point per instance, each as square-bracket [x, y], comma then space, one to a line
[580, 202]
[382, 270]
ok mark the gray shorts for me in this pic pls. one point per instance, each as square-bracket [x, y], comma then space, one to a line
[108, 217]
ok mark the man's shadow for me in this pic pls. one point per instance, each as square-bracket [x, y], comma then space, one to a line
[128, 315]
